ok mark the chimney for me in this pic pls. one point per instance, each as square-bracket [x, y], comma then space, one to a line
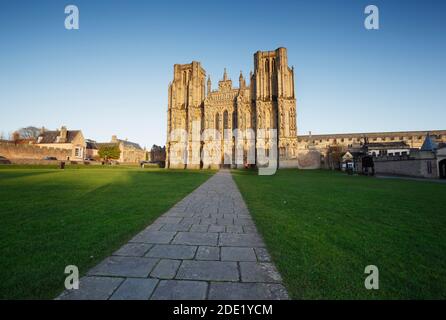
[63, 134]
[42, 130]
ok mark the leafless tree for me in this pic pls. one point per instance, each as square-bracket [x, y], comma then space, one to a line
[29, 132]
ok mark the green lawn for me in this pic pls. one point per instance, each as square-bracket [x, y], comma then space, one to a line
[322, 228]
[51, 218]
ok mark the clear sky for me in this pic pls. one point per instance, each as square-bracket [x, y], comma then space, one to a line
[111, 75]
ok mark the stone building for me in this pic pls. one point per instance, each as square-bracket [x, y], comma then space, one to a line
[268, 101]
[203, 121]
[72, 140]
[131, 152]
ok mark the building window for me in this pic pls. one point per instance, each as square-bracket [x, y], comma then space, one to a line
[429, 167]
[78, 152]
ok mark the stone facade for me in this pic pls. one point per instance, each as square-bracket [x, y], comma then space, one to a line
[267, 102]
[131, 152]
[72, 140]
[422, 164]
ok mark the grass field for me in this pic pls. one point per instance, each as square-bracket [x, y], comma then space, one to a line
[51, 218]
[322, 228]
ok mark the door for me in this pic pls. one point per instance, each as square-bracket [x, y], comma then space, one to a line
[442, 168]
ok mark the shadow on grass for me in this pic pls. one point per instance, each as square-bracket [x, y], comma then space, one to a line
[77, 217]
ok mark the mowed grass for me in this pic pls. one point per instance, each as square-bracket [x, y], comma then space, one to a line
[52, 218]
[322, 228]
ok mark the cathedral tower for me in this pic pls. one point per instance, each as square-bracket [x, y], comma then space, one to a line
[184, 115]
[273, 88]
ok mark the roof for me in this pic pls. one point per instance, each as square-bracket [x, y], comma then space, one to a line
[51, 136]
[130, 144]
[392, 144]
[91, 144]
[428, 144]
[372, 134]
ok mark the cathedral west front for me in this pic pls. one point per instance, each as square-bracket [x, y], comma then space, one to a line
[254, 124]
[235, 127]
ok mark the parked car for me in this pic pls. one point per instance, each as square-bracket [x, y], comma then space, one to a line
[3, 160]
[50, 158]
[89, 159]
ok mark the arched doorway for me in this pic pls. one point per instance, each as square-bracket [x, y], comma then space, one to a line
[442, 168]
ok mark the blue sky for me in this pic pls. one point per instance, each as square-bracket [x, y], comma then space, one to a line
[111, 75]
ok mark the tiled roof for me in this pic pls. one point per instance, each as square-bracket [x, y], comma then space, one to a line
[91, 144]
[51, 136]
[130, 144]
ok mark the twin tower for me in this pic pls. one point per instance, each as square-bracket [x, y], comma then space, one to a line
[201, 122]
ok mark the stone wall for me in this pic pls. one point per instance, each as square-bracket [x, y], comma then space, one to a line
[35, 162]
[407, 167]
[12, 151]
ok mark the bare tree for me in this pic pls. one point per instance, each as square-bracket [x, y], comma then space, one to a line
[29, 132]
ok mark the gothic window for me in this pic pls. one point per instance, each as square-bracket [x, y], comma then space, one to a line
[234, 120]
[266, 65]
[217, 121]
[273, 65]
[225, 120]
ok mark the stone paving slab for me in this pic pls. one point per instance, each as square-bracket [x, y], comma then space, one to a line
[124, 267]
[196, 238]
[149, 236]
[172, 251]
[208, 270]
[180, 290]
[166, 269]
[208, 253]
[238, 254]
[133, 249]
[135, 289]
[205, 247]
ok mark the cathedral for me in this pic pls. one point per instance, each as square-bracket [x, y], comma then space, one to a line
[254, 124]
[235, 127]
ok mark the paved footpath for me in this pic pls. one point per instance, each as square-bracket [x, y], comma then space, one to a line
[205, 247]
